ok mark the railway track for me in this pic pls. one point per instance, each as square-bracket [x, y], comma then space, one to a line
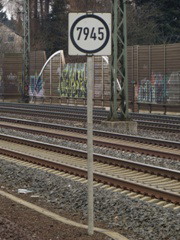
[145, 121]
[96, 111]
[144, 179]
[148, 146]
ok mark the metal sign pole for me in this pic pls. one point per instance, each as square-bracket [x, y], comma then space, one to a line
[90, 83]
[89, 34]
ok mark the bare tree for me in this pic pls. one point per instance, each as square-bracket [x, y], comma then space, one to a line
[93, 5]
[12, 6]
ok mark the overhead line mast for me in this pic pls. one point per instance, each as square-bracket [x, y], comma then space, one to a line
[119, 62]
[26, 52]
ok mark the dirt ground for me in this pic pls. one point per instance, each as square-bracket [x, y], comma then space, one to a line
[20, 223]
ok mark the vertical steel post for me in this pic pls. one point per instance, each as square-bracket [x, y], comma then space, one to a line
[102, 85]
[50, 79]
[164, 78]
[125, 105]
[114, 62]
[119, 61]
[26, 52]
[90, 84]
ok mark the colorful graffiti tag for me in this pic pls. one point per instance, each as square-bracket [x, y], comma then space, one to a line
[36, 86]
[73, 81]
[159, 88]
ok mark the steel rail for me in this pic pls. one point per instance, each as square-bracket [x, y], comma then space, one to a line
[131, 146]
[165, 172]
[75, 116]
[119, 146]
[147, 140]
[105, 179]
[97, 111]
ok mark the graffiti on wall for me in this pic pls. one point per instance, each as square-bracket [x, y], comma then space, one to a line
[174, 88]
[36, 86]
[14, 81]
[160, 88]
[73, 80]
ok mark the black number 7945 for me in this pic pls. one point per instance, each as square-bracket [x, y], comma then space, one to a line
[90, 33]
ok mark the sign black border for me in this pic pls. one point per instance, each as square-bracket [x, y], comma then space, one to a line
[89, 16]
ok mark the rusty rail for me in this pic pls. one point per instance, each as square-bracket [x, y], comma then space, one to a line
[117, 182]
[97, 157]
[131, 147]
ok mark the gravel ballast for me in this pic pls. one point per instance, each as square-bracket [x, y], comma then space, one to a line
[166, 163]
[135, 219]
[142, 133]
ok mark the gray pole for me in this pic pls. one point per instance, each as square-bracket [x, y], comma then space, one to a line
[125, 61]
[115, 62]
[26, 52]
[90, 83]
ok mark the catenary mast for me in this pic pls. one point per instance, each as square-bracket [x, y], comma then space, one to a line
[26, 52]
[119, 62]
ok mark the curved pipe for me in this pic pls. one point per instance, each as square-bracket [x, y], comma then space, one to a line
[54, 54]
[49, 59]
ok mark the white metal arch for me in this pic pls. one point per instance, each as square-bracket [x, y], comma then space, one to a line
[61, 52]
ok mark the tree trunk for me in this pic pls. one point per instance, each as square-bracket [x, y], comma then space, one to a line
[35, 9]
[41, 10]
[47, 2]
